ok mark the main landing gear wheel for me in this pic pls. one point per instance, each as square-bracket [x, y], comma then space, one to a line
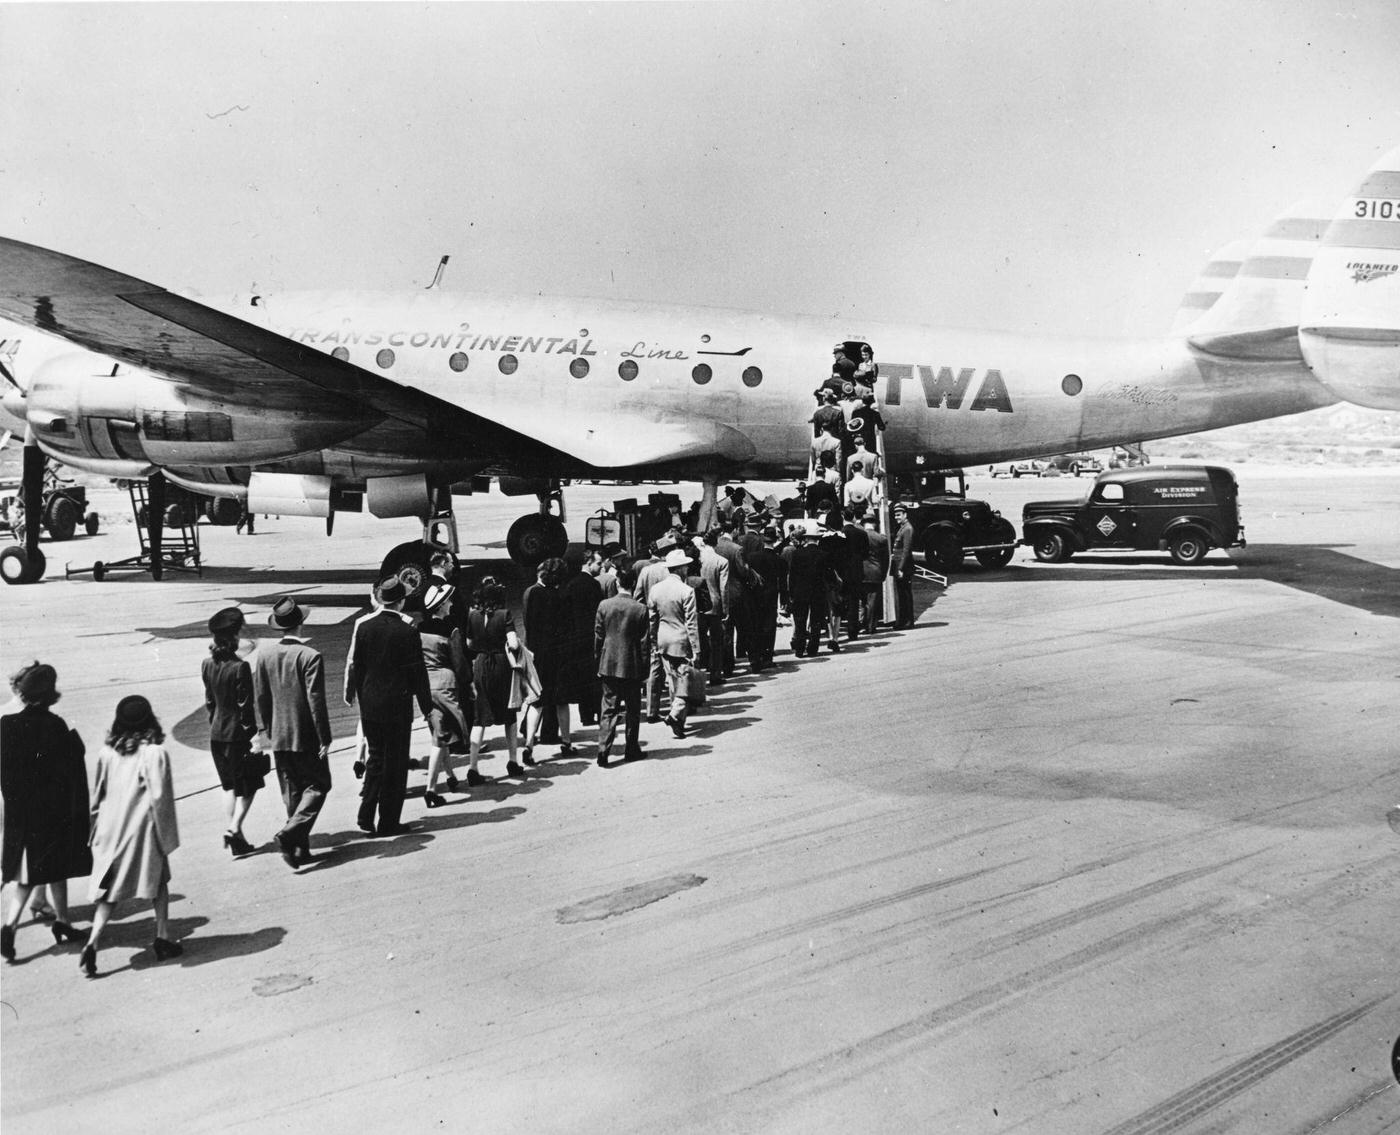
[536, 537]
[410, 563]
[1051, 548]
[223, 511]
[20, 566]
[943, 551]
[61, 518]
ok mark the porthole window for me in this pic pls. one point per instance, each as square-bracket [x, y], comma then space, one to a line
[340, 353]
[508, 364]
[702, 373]
[627, 370]
[458, 361]
[385, 358]
[1072, 384]
[579, 368]
[752, 376]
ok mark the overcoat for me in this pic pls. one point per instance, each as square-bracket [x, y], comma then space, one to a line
[133, 823]
[45, 787]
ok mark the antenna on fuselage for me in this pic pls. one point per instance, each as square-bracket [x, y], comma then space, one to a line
[437, 276]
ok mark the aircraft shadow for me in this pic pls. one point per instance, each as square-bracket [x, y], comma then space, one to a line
[1322, 570]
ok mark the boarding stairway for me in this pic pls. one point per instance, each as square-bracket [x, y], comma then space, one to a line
[164, 546]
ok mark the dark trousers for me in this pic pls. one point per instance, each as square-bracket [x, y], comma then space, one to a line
[904, 598]
[386, 771]
[808, 623]
[714, 657]
[874, 606]
[764, 631]
[738, 629]
[305, 779]
[850, 598]
[622, 701]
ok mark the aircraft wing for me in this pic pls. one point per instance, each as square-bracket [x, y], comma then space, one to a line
[219, 355]
[232, 359]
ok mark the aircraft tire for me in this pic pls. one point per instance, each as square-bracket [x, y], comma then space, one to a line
[943, 551]
[408, 561]
[1188, 548]
[535, 537]
[61, 518]
[223, 511]
[91, 523]
[1051, 548]
[18, 566]
[178, 515]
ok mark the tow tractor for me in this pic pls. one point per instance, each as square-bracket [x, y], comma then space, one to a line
[947, 526]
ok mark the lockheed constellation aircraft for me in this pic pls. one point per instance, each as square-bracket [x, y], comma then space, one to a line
[314, 403]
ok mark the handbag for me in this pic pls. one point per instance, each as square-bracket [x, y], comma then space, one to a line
[690, 684]
[256, 763]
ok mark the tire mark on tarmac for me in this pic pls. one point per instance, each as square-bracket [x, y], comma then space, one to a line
[1171, 1114]
[837, 1068]
[1102, 906]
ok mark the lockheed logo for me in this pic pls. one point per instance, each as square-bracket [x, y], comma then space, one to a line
[1363, 273]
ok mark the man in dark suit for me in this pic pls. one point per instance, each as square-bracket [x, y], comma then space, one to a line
[289, 696]
[873, 571]
[807, 593]
[385, 675]
[768, 566]
[902, 564]
[738, 595]
[620, 648]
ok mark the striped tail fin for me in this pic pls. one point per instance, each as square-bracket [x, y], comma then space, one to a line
[1350, 321]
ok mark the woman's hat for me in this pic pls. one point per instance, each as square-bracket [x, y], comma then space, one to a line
[287, 614]
[133, 712]
[229, 619]
[38, 683]
[436, 595]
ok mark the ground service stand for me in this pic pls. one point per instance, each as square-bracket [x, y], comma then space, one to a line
[163, 548]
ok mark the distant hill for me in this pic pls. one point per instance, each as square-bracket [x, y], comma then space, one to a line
[1335, 435]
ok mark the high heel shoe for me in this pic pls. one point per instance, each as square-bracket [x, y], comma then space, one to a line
[164, 948]
[62, 932]
[475, 779]
[238, 845]
[433, 800]
[513, 769]
[7, 943]
[453, 784]
[87, 961]
[525, 755]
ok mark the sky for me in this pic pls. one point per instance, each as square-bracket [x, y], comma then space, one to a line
[1056, 166]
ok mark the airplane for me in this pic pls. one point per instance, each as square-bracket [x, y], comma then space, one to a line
[318, 403]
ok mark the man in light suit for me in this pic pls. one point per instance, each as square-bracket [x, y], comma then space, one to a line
[650, 572]
[674, 631]
[620, 648]
[385, 675]
[714, 570]
[289, 696]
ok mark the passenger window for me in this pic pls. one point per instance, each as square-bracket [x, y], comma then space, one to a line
[1111, 493]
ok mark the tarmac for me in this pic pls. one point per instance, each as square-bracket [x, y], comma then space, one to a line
[1096, 847]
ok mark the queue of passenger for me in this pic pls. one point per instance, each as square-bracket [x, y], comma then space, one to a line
[621, 639]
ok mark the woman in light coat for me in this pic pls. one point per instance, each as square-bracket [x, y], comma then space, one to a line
[134, 829]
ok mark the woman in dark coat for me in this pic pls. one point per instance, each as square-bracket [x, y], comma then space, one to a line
[490, 634]
[228, 697]
[44, 782]
[545, 636]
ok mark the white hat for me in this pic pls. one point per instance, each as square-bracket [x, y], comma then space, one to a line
[677, 558]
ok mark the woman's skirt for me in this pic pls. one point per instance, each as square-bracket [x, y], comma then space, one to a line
[230, 762]
[491, 673]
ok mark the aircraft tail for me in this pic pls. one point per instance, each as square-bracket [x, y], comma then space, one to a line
[1255, 316]
[1349, 328]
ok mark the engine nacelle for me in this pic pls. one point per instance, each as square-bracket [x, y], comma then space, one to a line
[1349, 327]
[93, 414]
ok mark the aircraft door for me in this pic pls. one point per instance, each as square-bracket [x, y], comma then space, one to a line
[1114, 523]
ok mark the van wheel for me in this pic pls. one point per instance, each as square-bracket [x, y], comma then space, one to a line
[1051, 548]
[1188, 548]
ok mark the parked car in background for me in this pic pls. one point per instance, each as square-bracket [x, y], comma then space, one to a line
[1027, 468]
[1077, 463]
